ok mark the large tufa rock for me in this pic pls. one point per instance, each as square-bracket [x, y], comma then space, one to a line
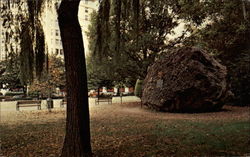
[186, 80]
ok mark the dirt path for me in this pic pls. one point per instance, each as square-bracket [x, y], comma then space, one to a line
[134, 109]
[126, 109]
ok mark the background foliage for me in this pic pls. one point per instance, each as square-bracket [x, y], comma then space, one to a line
[51, 79]
[134, 41]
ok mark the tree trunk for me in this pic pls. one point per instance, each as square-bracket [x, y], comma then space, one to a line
[244, 10]
[98, 91]
[77, 138]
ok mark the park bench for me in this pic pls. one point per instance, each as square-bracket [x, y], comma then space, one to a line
[63, 102]
[103, 98]
[2, 98]
[6, 98]
[28, 103]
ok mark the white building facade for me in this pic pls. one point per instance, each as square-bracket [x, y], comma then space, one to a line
[86, 7]
[2, 42]
[51, 28]
[13, 45]
[53, 43]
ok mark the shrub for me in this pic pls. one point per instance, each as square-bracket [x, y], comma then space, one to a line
[14, 93]
[138, 88]
[34, 93]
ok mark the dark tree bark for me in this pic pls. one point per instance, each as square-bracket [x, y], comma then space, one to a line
[77, 138]
[98, 91]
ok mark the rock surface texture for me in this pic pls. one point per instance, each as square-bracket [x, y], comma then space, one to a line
[186, 80]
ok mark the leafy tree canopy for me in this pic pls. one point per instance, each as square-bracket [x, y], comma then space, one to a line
[133, 33]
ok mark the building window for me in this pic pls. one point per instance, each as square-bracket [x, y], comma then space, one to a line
[86, 1]
[61, 52]
[57, 41]
[57, 32]
[86, 17]
[57, 51]
[52, 32]
[51, 51]
[56, 6]
[86, 10]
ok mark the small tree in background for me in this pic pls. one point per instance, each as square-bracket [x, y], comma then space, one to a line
[10, 74]
[97, 78]
[49, 81]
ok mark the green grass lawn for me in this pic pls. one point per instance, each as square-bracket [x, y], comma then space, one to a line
[128, 130]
